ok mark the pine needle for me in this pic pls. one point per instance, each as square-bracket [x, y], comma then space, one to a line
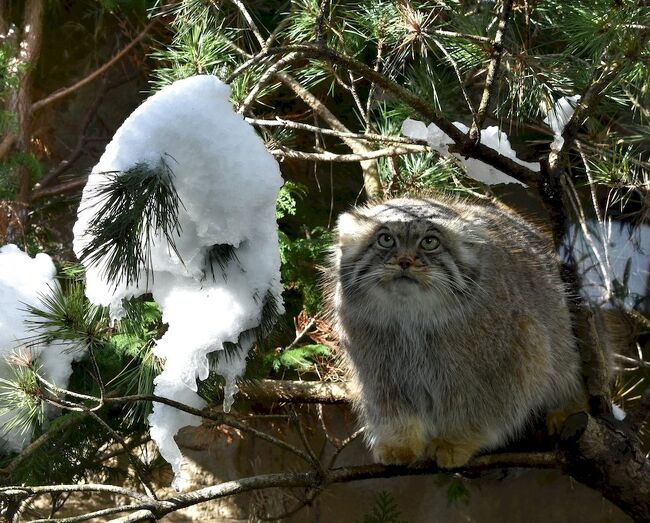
[134, 207]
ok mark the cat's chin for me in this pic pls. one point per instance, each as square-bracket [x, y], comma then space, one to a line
[404, 279]
[401, 287]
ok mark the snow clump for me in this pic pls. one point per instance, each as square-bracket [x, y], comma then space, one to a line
[23, 280]
[491, 136]
[559, 116]
[227, 183]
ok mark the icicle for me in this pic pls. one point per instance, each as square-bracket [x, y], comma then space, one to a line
[229, 391]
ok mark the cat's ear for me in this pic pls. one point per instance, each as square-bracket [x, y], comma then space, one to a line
[348, 227]
[471, 231]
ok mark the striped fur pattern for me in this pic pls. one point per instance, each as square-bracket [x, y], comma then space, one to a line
[454, 323]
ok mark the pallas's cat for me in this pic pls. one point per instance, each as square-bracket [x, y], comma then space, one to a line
[454, 324]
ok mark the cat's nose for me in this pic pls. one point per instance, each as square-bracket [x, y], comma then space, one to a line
[405, 263]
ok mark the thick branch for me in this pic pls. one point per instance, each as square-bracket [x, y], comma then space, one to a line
[62, 188]
[30, 49]
[273, 391]
[608, 459]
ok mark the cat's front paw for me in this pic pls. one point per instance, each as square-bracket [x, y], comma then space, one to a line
[450, 455]
[396, 454]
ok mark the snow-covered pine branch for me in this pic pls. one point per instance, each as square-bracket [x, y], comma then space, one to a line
[24, 283]
[218, 281]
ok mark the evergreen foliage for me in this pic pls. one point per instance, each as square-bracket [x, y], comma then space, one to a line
[136, 205]
[385, 510]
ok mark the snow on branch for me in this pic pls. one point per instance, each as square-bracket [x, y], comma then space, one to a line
[207, 250]
[24, 283]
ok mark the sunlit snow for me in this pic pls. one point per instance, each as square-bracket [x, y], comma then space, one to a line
[559, 116]
[491, 136]
[612, 261]
[494, 138]
[228, 184]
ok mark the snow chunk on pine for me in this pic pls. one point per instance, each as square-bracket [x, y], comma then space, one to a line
[23, 280]
[491, 137]
[559, 116]
[228, 185]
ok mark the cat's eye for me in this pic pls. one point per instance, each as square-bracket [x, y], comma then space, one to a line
[385, 240]
[429, 243]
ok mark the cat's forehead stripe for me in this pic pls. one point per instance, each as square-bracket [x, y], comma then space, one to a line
[397, 211]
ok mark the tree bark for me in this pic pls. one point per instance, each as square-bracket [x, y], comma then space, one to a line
[605, 456]
[30, 48]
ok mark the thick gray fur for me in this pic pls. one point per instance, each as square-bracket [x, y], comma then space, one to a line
[468, 341]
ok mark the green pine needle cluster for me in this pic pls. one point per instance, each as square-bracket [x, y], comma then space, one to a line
[299, 359]
[385, 510]
[66, 314]
[20, 399]
[220, 255]
[134, 207]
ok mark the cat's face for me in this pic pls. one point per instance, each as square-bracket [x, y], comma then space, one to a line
[398, 249]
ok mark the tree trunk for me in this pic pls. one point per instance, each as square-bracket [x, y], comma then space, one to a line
[30, 48]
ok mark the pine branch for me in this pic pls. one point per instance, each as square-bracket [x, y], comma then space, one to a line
[462, 146]
[602, 77]
[133, 206]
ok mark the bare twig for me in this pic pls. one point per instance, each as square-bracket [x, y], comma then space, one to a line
[492, 73]
[285, 152]
[377, 68]
[62, 93]
[249, 20]
[54, 174]
[463, 36]
[343, 444]
[301, 334]
[312, 479]
[28, 491]
[265, 79]
[137, 464]
[370, 137]
[303, 438]
[459, 76]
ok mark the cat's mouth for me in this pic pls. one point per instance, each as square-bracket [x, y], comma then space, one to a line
[404, 277]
